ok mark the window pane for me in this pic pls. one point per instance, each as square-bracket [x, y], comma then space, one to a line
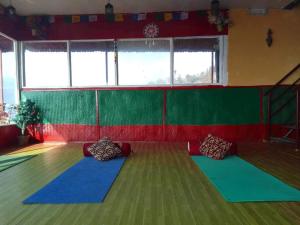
[8, 63]
[194, 60]
[144, 62]
[46, 64]
[111, 68]
[89, 63]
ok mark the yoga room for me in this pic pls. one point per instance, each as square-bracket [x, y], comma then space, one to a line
[149, 112]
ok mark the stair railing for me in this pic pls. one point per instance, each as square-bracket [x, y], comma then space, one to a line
[294, 87]
[297, 119]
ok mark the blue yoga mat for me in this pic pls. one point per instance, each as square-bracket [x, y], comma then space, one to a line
[240, 181]
[88, 181]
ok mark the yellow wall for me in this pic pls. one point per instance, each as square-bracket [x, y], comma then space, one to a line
[250, 60]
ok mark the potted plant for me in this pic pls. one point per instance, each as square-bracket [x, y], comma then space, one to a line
[27, 114]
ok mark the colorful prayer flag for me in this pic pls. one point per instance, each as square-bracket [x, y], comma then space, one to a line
[141, 16]
[134, 17]
[84, 18]
[168, 16]
[110, 17]
[176, 15]
[33, 32]
[67, 19]
[93, 18]
[159, 16]
[44, 21]
[119, 17]
[184, 15]
[75, 19]
[51, 19]
[30, 20]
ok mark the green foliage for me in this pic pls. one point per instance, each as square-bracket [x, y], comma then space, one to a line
[7, 112]
[27, 114]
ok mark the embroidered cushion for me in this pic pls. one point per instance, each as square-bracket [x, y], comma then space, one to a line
[105, 149]
[215, 147]
[118, 149]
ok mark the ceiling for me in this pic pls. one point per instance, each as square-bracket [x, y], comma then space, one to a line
[69, 7]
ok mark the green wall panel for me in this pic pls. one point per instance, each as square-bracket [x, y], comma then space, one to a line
[228, 106]
[130, 107]
[65, 107]
[288, 114]
[217, 106]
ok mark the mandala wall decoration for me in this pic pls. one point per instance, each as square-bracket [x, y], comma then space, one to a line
[151, 30]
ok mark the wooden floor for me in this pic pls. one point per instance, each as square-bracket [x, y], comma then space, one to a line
[158, 185]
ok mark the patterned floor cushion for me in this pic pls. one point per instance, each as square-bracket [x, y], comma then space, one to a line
[119, 149]
[105, 149]
[215, 147]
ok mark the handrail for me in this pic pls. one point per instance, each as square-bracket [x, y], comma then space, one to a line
[282, 106]
[291, 87]
[297, 118]
[282, 79]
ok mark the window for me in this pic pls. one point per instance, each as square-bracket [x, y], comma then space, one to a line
[92, 63]
[46, 64]
[144, 62]
[195, 61]
[139, 62]
[8, 73]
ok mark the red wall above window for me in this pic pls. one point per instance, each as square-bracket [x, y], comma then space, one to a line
[10, 27]
[195, 25]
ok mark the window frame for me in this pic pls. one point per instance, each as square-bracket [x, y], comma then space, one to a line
[198, 84]
[106, 62]
[147, 39]
[22, 52]
[223, 74]
[17, 69]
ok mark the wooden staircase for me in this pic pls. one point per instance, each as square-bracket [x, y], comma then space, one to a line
[289, 95]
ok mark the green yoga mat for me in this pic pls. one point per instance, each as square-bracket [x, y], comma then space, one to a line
[240, 181]
[10, 161]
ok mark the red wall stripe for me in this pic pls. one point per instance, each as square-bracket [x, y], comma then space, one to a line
[228, 132]
[8, 135]
[67, 132]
